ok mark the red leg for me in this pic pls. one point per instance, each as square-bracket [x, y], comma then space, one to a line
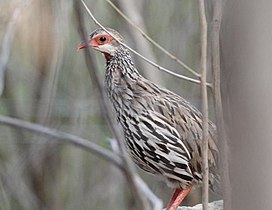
[178, 197]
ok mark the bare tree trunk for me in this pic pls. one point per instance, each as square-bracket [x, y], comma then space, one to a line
[246, 63]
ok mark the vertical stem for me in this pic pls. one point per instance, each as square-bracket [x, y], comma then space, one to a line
[223, 148]
[8, 37]
[204, 97]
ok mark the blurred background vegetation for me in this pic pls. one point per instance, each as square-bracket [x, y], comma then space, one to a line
[47, 82]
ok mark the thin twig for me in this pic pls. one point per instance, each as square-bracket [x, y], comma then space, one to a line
[141, 44]
[203, 63]
[152, 41]
[129, 169]
[8, 39]
[64, 138]
[223, 147]
[196, 81]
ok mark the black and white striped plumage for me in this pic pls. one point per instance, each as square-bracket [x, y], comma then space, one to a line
[163, 132]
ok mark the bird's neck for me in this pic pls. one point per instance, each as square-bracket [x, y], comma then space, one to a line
[121, 61]
[120, 74]
[119, 67]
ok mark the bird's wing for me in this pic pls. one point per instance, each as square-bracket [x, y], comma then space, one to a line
[174, 128]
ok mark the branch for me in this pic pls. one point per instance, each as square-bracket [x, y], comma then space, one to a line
[65, 138]
[8, 39]
[141, 56]
[152, 41]
[223, 147]
[203, 63]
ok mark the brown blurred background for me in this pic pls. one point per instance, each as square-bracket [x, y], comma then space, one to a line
[47, 82]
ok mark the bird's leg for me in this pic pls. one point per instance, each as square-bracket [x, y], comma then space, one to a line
[178, 197]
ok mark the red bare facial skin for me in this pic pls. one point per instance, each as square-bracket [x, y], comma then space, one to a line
[95, 43]
[101, 39]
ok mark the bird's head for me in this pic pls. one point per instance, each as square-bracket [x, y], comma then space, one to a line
[102, 41]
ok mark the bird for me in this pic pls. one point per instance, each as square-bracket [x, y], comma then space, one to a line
[162, 130]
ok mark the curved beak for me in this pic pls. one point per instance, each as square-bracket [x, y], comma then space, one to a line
[84, 44]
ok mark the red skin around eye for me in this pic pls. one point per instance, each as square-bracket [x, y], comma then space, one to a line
[96, 41]
[93, 43]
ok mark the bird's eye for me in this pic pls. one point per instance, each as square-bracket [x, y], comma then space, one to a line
[102, 39]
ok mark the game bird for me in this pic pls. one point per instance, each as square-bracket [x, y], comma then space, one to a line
[163, 131]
